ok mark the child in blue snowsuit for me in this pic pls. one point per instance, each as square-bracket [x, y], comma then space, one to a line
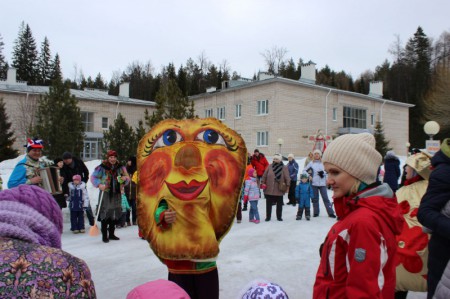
[303, 194]
[78, 202]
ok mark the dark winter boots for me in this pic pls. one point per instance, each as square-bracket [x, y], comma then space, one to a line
[108, 227]
[300, 214]
[105, 232]
[112, 228]
[307, 214]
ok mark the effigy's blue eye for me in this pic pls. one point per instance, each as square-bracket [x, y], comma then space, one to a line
[211, 137]
[168, 138]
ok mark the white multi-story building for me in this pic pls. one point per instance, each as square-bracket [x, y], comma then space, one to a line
[277, 114]
[98, 109]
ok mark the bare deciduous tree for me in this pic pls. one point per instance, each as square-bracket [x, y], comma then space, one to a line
[203, 62]
[396, 49]
[442, 50]
[273, 58]
[26, 117]
[436, 102]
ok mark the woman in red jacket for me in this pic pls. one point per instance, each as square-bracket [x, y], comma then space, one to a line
[260, 163]
[358, 255]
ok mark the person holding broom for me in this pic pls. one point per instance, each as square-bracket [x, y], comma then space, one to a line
[108, 177]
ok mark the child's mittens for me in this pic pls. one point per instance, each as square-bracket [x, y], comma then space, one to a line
[263, 186]
[245, 198]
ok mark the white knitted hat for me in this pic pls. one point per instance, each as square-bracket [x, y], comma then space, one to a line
[356, 155]
[277, 156]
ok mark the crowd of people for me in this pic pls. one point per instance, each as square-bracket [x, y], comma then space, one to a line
[389, 238]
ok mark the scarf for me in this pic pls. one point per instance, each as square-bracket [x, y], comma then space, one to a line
[413, 180]
[277, 170]
[112, 171]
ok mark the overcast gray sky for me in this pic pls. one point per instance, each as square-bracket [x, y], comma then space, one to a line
[106, 36]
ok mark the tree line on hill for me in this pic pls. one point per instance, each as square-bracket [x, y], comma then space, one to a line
[419, 74]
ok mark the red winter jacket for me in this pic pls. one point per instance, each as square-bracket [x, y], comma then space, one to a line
[358, 256]
[260, 164]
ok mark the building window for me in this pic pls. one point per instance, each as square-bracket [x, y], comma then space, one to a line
[88, 121]
[334, 114]
[92, 149]
[263, 107]
[104, 123]
[372, 119]
[262, 138]
[209, 112]
[355, 118]
[238, 111]
[221, 113]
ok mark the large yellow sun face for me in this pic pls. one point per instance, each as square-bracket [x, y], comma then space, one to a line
[197, 166]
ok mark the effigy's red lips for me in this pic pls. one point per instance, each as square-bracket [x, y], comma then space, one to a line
[184, 191]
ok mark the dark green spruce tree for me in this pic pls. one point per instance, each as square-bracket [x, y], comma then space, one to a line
[25, 55]
[3, 63]
[409, 80]
[59, 123]
[140, 130]
[170, 103]
[99, 83]
[55, 70]
[421, 84]
[120, 137]
[381, 144]
[6, 136]
[44, 64]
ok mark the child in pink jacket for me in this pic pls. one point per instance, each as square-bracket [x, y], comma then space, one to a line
[251, 194]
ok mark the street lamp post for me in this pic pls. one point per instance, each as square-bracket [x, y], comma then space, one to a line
[431, 128]
[280, 142]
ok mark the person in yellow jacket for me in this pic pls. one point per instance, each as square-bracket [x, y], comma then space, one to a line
[412, 243]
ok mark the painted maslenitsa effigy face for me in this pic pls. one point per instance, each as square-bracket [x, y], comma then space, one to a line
[197, 166]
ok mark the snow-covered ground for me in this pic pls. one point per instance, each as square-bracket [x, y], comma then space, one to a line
[282, 252]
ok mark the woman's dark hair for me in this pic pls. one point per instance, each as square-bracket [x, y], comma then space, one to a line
[131, 168]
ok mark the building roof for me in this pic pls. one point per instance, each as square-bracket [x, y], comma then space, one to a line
[299, 83]
[88, 94]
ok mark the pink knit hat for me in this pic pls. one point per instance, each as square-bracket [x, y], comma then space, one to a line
[76, 177]
[158, 289]
[250, 172]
